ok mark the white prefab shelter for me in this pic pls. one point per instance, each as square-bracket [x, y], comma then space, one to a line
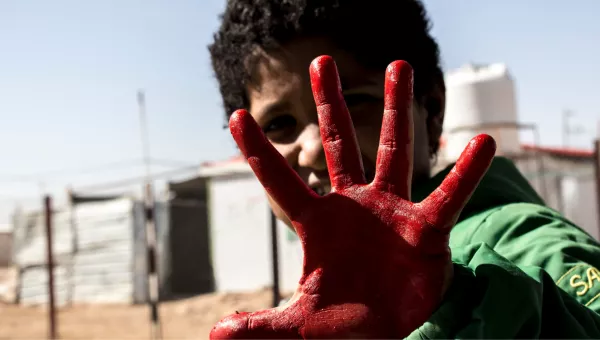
[567, 182]
[239, 228]
[240, 233]
[580, 202]
[239, 220]
[480, 99]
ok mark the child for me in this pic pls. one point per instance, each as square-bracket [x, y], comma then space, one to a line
[518, 270]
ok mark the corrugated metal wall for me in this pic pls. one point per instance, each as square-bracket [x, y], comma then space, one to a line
[99, 249]
[30, 257]
[103, 261]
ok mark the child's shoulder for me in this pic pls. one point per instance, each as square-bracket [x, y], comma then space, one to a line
[511, 221]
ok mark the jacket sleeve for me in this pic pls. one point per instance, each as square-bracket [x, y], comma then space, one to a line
[525, 272]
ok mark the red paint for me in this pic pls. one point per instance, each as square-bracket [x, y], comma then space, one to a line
[376, 265]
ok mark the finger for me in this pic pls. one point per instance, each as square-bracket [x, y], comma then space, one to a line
[277, 177]
[395, 154]
[343, 157]
[267, 324]
[444, 205]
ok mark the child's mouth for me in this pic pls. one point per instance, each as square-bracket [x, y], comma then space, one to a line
[322, 190]
[325, 189]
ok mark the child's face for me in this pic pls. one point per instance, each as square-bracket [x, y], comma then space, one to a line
[281, 102]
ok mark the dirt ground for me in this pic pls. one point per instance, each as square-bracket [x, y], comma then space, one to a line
[184, 319]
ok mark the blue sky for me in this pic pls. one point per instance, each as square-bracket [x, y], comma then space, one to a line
[70, 69]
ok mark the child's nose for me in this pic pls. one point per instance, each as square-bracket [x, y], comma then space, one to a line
[312, 154]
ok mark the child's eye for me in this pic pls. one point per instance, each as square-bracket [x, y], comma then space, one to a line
[280, 128]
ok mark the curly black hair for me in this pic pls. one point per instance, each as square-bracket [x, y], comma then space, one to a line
[375, 32]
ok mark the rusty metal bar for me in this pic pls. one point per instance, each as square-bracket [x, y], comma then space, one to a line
[275, 260]
[152, 260]
[597, 170]
[50, 261]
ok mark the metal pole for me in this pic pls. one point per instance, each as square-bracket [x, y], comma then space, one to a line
[50, 260]
[275, 260]
[151, 234]
[152, 254]
[141, 97]
[597, 170]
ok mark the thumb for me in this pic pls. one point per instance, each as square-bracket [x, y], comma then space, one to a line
[266, 324]
[231, 327]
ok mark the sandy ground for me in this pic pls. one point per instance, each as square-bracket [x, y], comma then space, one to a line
[184, 319]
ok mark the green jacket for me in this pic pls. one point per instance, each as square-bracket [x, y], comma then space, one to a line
[521, 269]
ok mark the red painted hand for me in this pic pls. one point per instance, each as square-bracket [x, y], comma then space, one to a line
[376, 265]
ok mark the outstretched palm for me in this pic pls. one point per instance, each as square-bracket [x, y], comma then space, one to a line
[375, 264]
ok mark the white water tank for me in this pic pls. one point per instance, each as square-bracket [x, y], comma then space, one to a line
[480, 99]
